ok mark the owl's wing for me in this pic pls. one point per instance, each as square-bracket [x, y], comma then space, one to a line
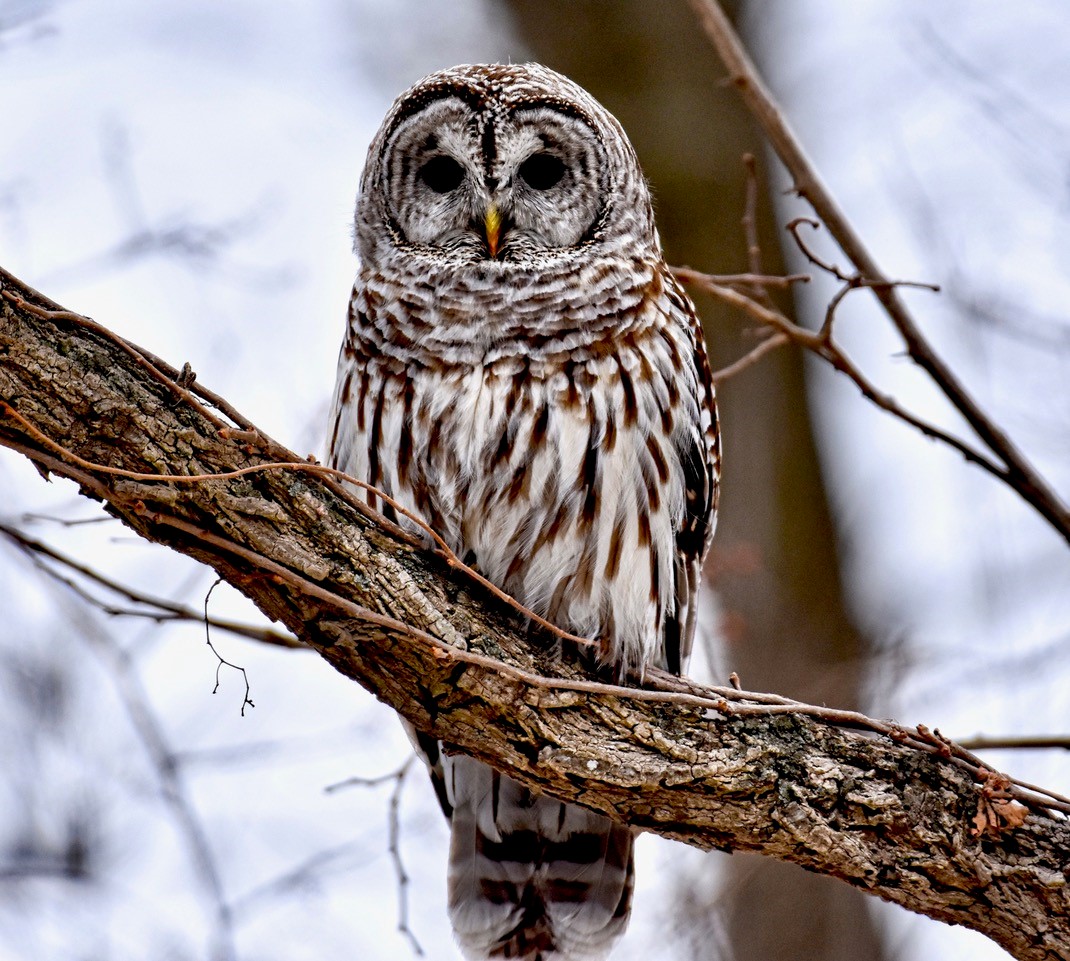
[429, 749]
[698, 450]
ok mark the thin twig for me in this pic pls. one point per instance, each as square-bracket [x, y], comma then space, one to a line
[1019, 473]
[394, 847]
[160, 610]
[375, 781]
[394, 839]
[222, 661]
[775, 281]
[296, 877]
[849, 282]
[749, 359]
[825, 347]
[749, 222]
[1034, 742]
[30, 516]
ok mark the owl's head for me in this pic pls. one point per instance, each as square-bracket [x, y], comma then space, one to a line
[501, 164]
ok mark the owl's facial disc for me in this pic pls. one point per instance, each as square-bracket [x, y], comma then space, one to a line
[488, 184]
[551, 173]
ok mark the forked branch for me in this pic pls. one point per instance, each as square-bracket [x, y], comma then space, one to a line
[1001, 456]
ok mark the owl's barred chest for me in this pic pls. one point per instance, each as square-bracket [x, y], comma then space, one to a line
[495, 453]
[560, 481]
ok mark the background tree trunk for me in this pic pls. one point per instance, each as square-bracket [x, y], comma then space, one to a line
[775, 552]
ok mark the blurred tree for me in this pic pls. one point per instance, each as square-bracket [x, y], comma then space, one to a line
[786, 627]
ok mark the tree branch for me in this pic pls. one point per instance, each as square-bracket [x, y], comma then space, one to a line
[147, 606]
[902, 814]
[1018, 471]
[825, 346]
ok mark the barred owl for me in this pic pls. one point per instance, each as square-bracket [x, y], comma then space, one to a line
[521, 370]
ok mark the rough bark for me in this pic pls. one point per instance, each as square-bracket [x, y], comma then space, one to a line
[880, 815]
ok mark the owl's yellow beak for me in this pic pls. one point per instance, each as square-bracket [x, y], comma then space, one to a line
[493, 226]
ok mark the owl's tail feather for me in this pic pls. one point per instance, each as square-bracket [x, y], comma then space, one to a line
[531, 878]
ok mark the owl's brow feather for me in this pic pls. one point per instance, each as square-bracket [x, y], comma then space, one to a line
[425, 96]
[481, 99]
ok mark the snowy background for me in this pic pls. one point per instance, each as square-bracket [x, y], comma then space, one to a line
[184, 173]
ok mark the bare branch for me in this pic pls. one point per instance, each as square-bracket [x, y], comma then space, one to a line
[1035, 742]
[749, 359]
[394, 846]
[299, 876]
[393, 840]
[150, 607]
[773, 281]
[826, 347]
[223, 662]
[172, 788]
[1015, 469]
[900, 812]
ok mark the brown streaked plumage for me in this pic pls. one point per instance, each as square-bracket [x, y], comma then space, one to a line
[521, 370]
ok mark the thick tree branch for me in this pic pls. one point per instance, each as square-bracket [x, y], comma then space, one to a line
[897, 813]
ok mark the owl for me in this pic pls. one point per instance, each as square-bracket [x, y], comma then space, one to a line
[521, 370]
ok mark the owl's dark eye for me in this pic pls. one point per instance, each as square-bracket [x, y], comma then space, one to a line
[541, 171]
[442, 174]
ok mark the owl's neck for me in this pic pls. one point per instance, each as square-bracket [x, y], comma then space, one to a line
[475, 315]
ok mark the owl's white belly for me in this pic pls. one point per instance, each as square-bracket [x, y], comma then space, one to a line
[546, 492]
